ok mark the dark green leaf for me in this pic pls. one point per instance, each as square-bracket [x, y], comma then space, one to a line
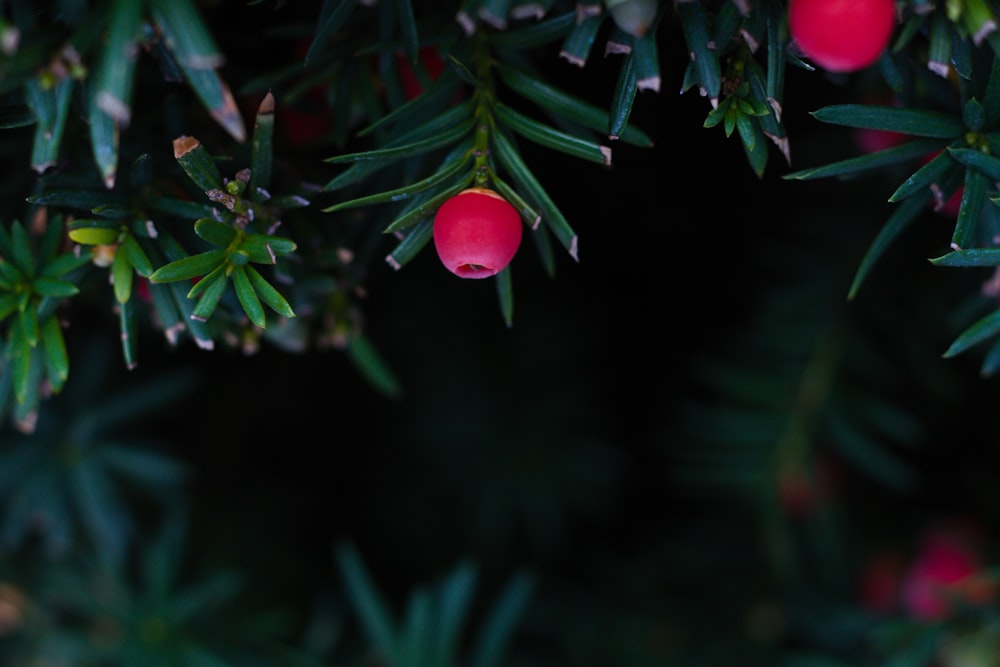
[289, 201]
[187, 210]
[372, 610]
[528, 213]
[970, 257]
[65, 263]
[51, 107]
[196, 54]
[551, 215]
[453, 599]
[967, 224]
[580, 40]
[9, 303]
[408, 28]
[754, 145]
[444, 138]
[424, 207]
[622, 100]
[704, 57]
[646, 61]
[447, 172]
[16, 115]
[498, 627]
[115, 74]
[411, 244]
[27, 322]
[19, 353]
[985, 328]
[86, 200]
[431, 98]
[505, 295]
[144, 465]
[932, 173]
[871, 457]
[372, 366]
[973, 115]
[55, 288]
[550, 137]
[101, 509]
[129, 333]
[978, 160]
[918, 122]
[531, 35]
[196, 162]
[900, 219]
[900, 154]
[262, 149]
[21, 249]
[104, 141]
[571, 107]
[332, 16]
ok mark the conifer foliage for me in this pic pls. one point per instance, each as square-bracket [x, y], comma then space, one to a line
[199, 197]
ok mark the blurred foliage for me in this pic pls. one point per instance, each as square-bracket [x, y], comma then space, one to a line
[243, 410]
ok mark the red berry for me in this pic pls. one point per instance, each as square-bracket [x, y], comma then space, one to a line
[841, 35]
[946, 558]
[477, 233]
[871, 141]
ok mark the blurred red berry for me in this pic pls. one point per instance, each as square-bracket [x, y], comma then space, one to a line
[944, 569]
[310, 117]
[841, 35]
[880, 580]
[142, 289]
[872, 141]
[432, 63]
[477, 233]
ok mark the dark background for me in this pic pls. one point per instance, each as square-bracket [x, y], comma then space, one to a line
[558, 444]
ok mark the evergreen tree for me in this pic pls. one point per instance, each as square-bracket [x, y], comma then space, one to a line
[493, 333]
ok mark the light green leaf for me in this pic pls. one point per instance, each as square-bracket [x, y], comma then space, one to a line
[215, 232]
[189, 267]
[54, 346]
[210, 288]
[121, 276]
[268, 294]
[248, 297]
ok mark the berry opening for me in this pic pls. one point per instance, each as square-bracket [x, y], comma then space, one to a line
[477, 233]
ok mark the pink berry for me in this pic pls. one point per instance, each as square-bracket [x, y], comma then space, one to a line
[841, 35]
[477, 233]
[947, 558]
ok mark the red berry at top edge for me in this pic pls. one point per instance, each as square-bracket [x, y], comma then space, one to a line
[842, 35]
[477, 233]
